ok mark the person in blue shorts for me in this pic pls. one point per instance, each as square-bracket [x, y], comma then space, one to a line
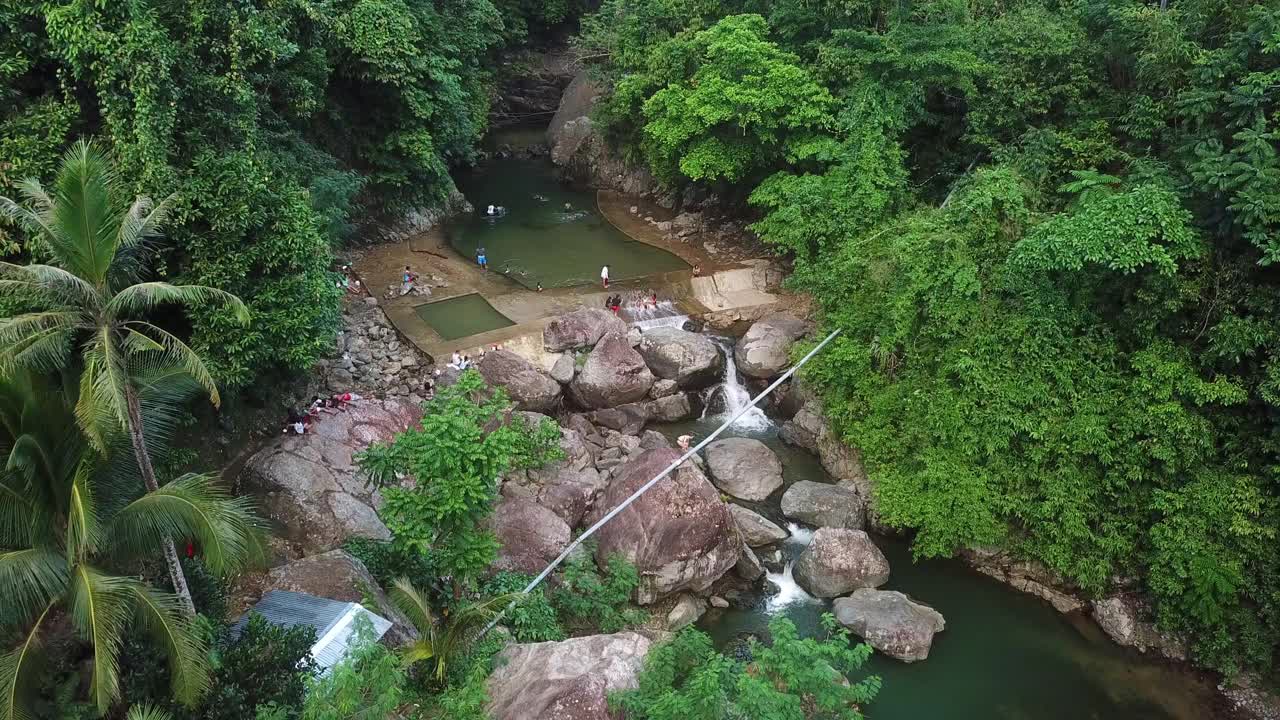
[481, 260]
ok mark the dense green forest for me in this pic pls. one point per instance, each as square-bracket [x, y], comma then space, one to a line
[276, 125]
[1049, 231]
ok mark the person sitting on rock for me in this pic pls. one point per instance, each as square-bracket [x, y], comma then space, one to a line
[407, 279]
[455, 361]
[296, 422]
[683, 441]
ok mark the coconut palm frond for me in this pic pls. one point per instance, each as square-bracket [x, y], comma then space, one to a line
[100, 409]
[146, 711]
[142, 221]
[86, 212]
[19, 669]
[139, 299]
[83, 526]
[32, 578]
[410, 601]
[168, 351]
[61, 286]
[100, 607]
[192, 506]
[160, 615]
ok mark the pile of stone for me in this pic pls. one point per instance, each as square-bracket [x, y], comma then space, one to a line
[371, 359]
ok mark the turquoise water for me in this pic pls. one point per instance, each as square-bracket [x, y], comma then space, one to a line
[537, 240]
[1004, 655]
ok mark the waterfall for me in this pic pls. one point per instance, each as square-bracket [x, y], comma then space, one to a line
[736, 396]
[789, 591]
[644, 314]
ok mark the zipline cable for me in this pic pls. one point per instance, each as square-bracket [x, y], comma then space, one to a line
[644, 488]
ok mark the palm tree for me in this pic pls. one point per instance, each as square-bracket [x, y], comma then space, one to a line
[71, 519]
[88, 302]
[441, 640]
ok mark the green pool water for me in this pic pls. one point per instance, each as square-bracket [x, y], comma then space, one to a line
[1004, 655]
[461, 316]
[537, 240]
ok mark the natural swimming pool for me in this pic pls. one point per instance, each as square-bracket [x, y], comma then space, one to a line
[537, 240]
[461, 316]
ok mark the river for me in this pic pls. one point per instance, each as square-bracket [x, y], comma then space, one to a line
[1003, 655]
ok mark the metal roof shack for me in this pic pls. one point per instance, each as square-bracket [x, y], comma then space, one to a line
[334, 622]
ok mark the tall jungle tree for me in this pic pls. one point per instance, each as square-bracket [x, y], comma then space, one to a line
[87, 302]
[73, 524]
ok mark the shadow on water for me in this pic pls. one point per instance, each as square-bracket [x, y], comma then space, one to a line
[1003, 655]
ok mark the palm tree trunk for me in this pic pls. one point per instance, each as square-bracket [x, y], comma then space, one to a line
[149, 479]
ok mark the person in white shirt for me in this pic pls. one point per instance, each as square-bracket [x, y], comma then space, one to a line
[604, 276]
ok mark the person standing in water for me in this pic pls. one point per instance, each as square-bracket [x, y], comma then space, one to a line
[604, 276]
[482, 260]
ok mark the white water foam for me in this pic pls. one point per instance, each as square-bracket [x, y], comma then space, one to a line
[800, 535]
[789, 591]
[736, 397]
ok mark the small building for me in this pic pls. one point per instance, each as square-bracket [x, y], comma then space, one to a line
[334, 622]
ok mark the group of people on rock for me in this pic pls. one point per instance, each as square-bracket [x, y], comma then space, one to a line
[299, 422]
[614, 302]
[349, 282]
[461, 362]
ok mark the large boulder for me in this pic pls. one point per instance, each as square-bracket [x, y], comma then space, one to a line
[838, 561]
[763, 351]
[566, 680]
[744, 468]
[1027, 576]
[529, 387]
[613, 375]
[530, 535]
[679, 534]
[890, 622]
[566, 487]
[309, 484]
[581, 328]
[823, 505]
[756, 529]
[670, 408]
[338, 575]
[1124, 619]
[810, 430]
[579, 148]
[690, 359]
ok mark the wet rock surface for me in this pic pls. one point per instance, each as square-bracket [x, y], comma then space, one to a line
[756, 529]
[764, 351]
[839, 561]
[744, 468]
[613, 375]
[580, 329]
[823, 505]
[890, 622]
[693, 361]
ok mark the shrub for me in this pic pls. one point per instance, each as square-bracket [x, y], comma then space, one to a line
[532, 619]
[602, 602]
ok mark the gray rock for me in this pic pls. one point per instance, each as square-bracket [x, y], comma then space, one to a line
[744, 468]
[838, 561]
[749, 566]
[823, 505]
[662, 388]
[339, 576]
[810, 430]
[614, 374]
[692, 360]
[670, 408]
[763, 351]
[890, 622]
[563, 369]
[530, 535]
[687, 610]
[566, 680]
[581, 328]
[1122, 618]
[529, 387]
[651, 439]
[310, 485]
[755, 528]
[1024, 575]
[628, 419]
[679, 535]
[719, 602]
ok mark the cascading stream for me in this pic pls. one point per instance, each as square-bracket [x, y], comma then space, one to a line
[789, 592]
[736, 396]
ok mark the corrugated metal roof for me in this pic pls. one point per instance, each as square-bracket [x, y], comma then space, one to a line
[334, 622]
